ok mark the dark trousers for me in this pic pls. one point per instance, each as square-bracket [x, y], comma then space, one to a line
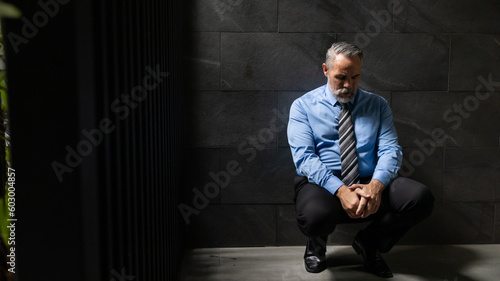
[405, 203]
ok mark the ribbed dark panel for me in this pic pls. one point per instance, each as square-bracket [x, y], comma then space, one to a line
[141, 159]
[114, 214]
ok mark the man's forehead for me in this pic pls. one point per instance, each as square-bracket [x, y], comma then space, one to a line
[343, 61]
[347, 64]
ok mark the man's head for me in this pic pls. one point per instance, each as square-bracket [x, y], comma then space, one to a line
[343, 70]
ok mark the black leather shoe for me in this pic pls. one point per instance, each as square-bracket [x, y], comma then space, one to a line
[315, 255]
[374, 263]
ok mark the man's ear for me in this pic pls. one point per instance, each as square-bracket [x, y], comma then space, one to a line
[325, 70]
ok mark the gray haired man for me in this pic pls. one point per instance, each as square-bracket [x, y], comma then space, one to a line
[346, 153]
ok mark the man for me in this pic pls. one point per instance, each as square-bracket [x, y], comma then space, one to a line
[345, 149]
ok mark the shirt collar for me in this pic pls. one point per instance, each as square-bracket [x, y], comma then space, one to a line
[335, 102]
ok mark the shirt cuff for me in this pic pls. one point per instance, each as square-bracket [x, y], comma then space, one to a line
[382, 177]
[333, 184]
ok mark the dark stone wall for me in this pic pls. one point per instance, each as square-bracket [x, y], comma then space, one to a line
[436, 62]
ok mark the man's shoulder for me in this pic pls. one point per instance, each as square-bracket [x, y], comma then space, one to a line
[371, 97]
[312, 96]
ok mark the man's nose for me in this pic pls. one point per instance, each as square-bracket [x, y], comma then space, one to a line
[347, 83]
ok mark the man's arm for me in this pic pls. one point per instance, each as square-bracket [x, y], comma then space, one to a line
[302, 144]
[389, 161]
[389, 152]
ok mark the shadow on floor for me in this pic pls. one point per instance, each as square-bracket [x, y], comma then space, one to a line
[444, 263]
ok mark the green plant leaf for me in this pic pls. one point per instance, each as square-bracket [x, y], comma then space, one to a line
[9, 11]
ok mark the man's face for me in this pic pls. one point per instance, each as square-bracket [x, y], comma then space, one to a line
[343, 77]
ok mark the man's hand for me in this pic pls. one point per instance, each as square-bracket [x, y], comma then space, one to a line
[369, 205]
[350, 200]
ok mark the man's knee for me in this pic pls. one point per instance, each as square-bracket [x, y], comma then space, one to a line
[418, 196]
[315, 221]
[425, 201]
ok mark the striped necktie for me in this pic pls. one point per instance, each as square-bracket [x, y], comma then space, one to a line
[347, 143]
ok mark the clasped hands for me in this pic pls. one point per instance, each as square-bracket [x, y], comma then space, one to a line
[361, 200]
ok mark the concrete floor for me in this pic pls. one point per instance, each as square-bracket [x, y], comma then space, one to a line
[443, 263]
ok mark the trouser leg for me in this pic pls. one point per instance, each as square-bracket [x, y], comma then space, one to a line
[317, 209]
[405, 202]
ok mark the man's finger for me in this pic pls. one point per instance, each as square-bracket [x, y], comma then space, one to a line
[368, 210]
[361, 206]
[354, 186]
[372, 207]
[353, 215]
[362, 193]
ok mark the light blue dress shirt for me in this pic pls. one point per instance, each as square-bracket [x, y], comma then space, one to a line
[313, 135]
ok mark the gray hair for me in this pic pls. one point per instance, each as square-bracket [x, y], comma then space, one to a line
[347, 49]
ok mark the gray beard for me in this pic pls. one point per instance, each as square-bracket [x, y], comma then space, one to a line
[337, 93]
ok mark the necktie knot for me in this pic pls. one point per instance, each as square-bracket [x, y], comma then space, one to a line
[345, 106]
